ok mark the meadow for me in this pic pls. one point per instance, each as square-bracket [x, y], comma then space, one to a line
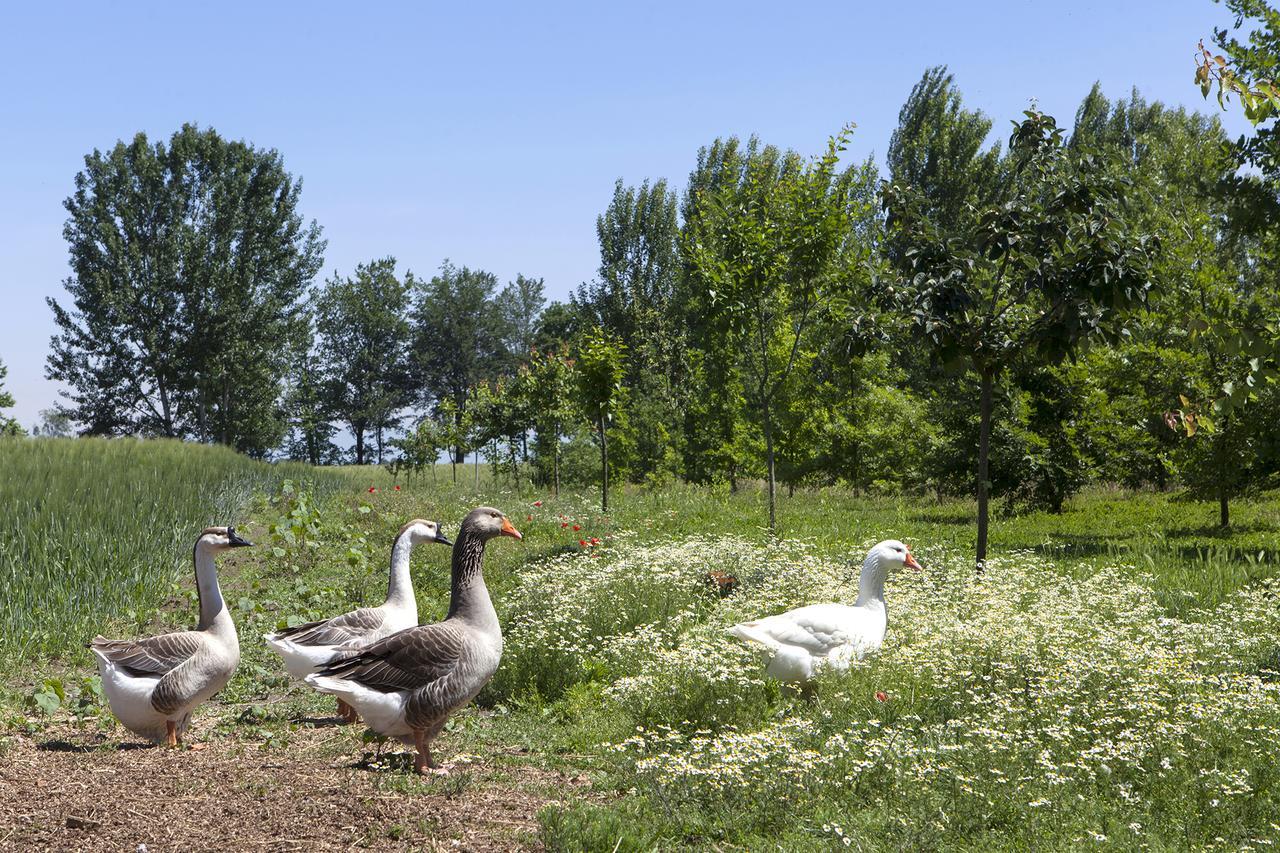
[99, 529]
[1109, 680]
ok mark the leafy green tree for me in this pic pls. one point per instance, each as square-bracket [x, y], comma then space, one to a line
[54, 424]
[1203, 339]
[1054, 261]
[453, 425]
[559, 325]
[550, 389]
[458, 337]
[601, 366]
[420, 448]
[937, 148]
[189, 262]
[8, 426]
[362, 325]
[306, 405]
[768, 253]
[633, 297]
[520, 304]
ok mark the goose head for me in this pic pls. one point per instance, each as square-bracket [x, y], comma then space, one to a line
[883, 558]
[485, 523]
[421, 530]
[890, 554]
[221, 539]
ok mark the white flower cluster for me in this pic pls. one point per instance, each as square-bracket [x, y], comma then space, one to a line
[1019, 692]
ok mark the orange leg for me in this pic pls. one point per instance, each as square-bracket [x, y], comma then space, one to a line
[346, 713]
[171, 733]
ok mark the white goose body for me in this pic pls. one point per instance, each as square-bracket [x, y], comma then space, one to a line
[307, 648]
[153, 684]
[802, 641]
[408, 684]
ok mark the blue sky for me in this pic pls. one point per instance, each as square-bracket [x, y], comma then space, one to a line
[492, 134]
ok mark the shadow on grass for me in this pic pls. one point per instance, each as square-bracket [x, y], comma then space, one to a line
[1213, 531]
[391, 759]
[1080, 545]
[319, 722]
[60, 745]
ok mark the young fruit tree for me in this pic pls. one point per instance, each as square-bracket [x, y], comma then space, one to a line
[768, 251]
[1027, 277]
[601, 365]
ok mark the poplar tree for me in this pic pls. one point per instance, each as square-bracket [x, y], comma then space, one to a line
[189, 263]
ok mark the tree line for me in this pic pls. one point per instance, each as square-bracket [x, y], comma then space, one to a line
[1010, 319]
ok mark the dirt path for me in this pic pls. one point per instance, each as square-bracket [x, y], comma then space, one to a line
[67, 790]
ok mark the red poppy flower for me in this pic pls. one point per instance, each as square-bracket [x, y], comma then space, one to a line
[372, 490]
[397, 488]
[528, 518]
[881, 696]
[582, 542]
[576, 528]
[537, 503]
[595, 541]
[564, 524]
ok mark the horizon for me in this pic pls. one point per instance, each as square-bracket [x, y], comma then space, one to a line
[499, 145]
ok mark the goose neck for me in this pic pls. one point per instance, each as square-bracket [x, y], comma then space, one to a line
[468, 596]
[213, 610]
[400, 583]
[871, 583]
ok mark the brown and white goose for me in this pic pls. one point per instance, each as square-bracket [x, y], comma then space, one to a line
[306, 648]
[154, 684]
[407, 685]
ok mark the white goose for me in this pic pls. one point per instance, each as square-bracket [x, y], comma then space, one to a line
[154, 684]
[408, 684]
[306, 648]
[804, 640]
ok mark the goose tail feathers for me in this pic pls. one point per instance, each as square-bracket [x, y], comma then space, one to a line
[751, 633]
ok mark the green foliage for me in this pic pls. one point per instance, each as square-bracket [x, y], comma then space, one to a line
[769, 252]
[1054, 258]
[458, 336]
[8, 426]
[189, 262]
[95, 534]
[601, 364]
[362, 323]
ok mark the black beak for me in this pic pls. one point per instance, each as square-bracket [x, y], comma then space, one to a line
[441, 538]
[235, 540]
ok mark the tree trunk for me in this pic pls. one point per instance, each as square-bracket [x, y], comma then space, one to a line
[555, 460]
[604, 468]
[477, 467]
[359, 433]
[733, 476]
[226, 415]
[1220, 451]
[768, 452]
[984, 455]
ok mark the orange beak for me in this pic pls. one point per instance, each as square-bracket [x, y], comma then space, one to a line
[910, 562]
[509, 530]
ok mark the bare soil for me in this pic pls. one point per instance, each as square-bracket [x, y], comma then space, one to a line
[67, 789]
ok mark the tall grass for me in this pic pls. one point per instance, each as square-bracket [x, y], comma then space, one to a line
[96, 531]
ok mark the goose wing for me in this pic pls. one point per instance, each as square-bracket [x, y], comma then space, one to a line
[818, 629]
[353, 627]
[151, 655]
[406, 660]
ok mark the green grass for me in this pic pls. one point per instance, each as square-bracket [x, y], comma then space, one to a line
[96, 532]
[1029, 708]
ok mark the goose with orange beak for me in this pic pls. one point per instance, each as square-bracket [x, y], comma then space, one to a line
[803, 641]
[408, 684]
